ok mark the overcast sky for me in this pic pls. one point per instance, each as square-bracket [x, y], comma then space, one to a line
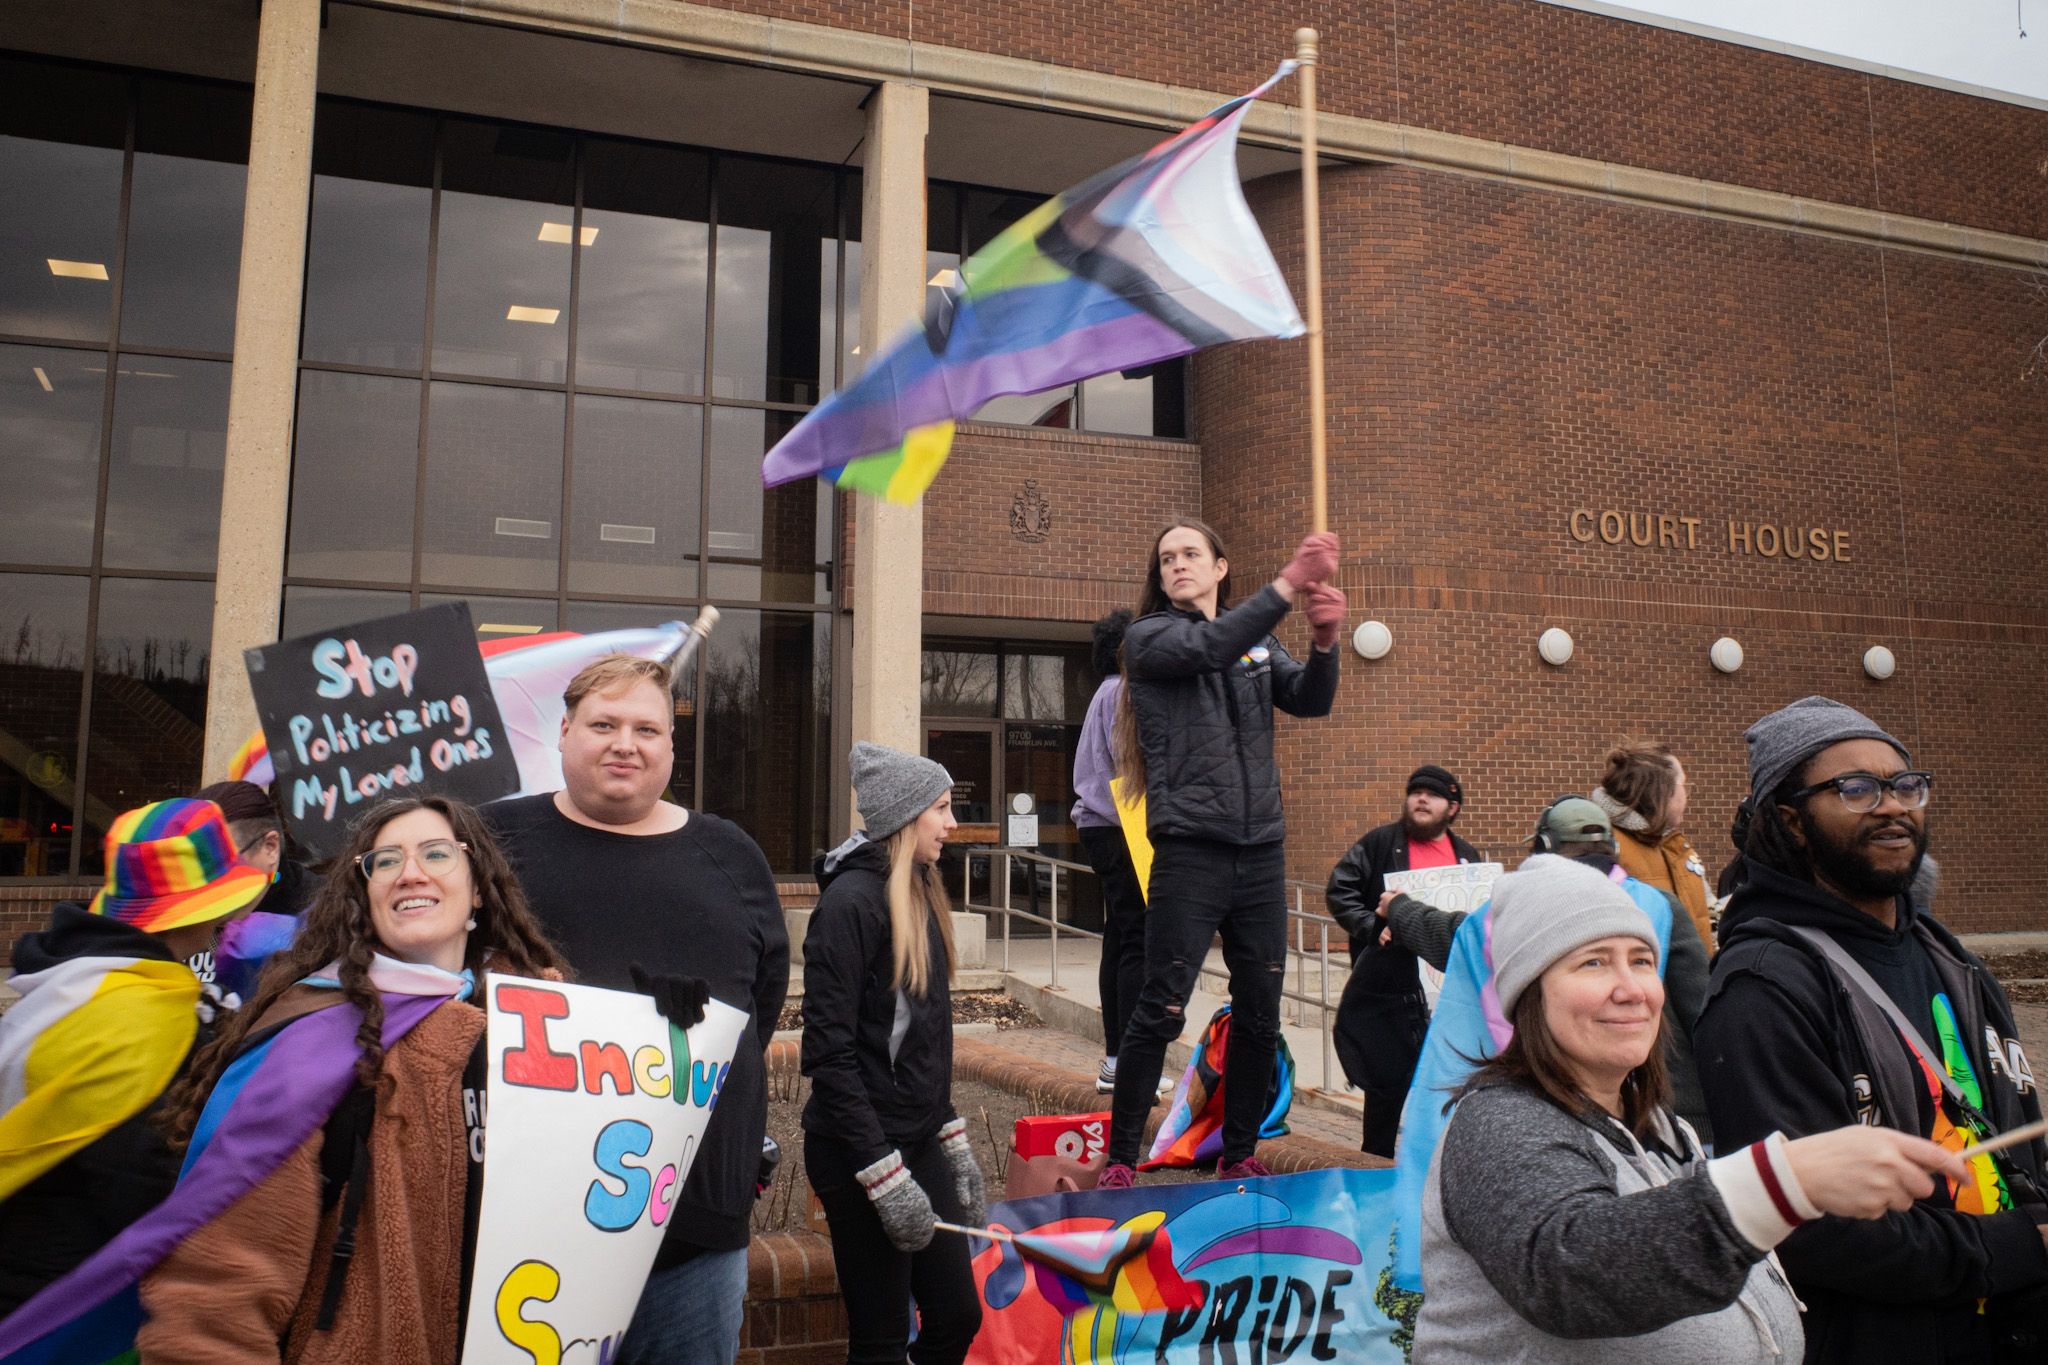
[1976, 42]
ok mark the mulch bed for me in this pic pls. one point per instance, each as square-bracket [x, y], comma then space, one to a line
[969, 1007]
[2024, 975]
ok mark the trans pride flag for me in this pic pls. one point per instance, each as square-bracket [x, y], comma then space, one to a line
[1151, 259]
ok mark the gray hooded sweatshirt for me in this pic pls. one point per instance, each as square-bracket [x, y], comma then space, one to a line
[1548, 1237]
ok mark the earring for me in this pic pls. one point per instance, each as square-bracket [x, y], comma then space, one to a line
[470, 923]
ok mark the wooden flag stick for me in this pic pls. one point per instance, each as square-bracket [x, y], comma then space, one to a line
[992, 1234]
[2024, 1133]
[1305, 52]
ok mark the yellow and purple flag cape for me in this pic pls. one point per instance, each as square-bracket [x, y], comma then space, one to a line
[92, 1043]
[1151, 259]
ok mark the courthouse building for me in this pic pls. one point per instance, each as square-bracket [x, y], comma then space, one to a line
[316, 311]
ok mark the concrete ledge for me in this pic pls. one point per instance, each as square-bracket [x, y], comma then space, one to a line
[1063, 1012]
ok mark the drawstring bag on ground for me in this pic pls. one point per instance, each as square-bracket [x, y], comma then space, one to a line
[1192, 1134]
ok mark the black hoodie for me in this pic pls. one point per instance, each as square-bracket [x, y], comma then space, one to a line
[1778, 1048]
[77, 1206]
[871, 1090]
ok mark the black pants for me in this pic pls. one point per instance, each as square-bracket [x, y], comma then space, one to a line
[877, 1281]
[1122, 973]
[1198, 889]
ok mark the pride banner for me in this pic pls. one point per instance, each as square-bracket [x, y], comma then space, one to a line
[1286, 1267]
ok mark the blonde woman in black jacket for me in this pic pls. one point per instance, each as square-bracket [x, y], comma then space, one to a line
[883, 1147]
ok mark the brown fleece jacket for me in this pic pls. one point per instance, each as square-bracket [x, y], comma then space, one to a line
[247, 1286]
[1666, 862]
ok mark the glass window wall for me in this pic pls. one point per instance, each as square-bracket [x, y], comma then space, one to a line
[118, 261]
[609, 336]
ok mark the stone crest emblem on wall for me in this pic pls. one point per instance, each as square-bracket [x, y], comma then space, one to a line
[1030, 514]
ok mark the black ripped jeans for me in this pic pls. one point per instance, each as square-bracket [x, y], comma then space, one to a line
[1200, 887]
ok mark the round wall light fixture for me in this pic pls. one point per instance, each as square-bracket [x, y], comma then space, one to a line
[1879, 662]
[1555, 645]
[1372, 640]
[1726, 654]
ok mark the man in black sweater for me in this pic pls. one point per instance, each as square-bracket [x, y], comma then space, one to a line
[622, 878]
[1835, 1000]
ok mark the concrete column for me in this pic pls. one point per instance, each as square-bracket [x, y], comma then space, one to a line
[888, 555]
[256, 483]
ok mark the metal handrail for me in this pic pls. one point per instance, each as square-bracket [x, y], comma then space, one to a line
[1302, 922]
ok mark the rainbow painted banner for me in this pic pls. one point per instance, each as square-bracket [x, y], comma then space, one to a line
[1154, 258]
[1278, 1269]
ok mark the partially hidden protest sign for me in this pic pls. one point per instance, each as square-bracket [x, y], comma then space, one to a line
[597, 1107]
[1289, 1268]
[1462, 889]
[381, 708]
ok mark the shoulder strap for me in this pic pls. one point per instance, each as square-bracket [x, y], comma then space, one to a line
[1851, 971]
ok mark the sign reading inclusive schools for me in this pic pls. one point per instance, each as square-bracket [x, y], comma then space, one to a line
[597, 1107]
[381, 708]
[1289, 1267]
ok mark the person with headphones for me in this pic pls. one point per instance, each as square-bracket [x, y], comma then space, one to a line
[1573, 827]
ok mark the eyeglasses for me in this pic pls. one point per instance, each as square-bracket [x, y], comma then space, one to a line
[1863, 793]
[437, 858]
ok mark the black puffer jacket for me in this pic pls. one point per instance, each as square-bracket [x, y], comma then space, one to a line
[1204, 692]
[866, 1093]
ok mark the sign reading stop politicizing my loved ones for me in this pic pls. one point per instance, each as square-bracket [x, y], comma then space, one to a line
[392, 707]
[597, 1107]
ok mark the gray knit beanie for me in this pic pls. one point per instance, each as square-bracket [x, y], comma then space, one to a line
[1546, 908]
[1783, 740]
[893, 788]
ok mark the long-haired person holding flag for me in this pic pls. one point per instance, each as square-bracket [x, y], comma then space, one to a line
[1201, 681]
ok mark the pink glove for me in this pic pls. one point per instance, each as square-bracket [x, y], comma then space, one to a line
[1314, 562]
[1325, 612]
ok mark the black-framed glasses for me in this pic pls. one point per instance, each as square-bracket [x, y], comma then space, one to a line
[437, 858]
[1864, 792]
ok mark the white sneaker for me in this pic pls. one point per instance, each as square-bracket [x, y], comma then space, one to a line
[1105, 1078]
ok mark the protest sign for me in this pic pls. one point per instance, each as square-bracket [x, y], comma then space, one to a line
[597, 1107]
[1289, 1269]
[1460, 889]
[400, 705]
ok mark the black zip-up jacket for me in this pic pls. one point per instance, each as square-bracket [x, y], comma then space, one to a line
[83, 1202]
[866, 1094]
[1359, 880]
[1779, 1047]
[1203, 692]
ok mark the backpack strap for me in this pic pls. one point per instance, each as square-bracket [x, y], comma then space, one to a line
[344, 1175]
[1864, 990]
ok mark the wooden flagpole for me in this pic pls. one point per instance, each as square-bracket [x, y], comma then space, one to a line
[992, 1234]
[1305, 52]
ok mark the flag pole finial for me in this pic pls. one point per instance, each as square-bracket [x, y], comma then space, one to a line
[1306, 50]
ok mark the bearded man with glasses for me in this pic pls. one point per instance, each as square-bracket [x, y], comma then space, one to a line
[1836, 1000]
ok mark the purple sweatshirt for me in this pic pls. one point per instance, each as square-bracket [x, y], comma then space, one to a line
[1095, 759]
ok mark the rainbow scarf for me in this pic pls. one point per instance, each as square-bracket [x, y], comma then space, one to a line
[91, 1044]
[1154, 258]
[1192, 1132]
[275, 1096]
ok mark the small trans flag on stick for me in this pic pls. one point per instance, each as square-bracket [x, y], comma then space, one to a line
[1151, 259]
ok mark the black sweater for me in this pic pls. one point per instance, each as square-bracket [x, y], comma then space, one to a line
[699, 902]
[861, 1094]
[1778, 1049]
[1203, 692]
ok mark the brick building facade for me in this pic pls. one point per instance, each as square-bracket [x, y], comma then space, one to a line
[1617, 315]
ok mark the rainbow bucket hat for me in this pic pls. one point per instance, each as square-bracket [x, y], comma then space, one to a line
[173, 863]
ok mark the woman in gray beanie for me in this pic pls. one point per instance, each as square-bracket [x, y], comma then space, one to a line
[883, 1146]
[1568, 1216]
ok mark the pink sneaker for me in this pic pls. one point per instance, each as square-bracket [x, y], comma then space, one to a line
[1250, 1168]
[1117, 1176]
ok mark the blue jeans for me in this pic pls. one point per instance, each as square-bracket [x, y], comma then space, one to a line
[690, 1314]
